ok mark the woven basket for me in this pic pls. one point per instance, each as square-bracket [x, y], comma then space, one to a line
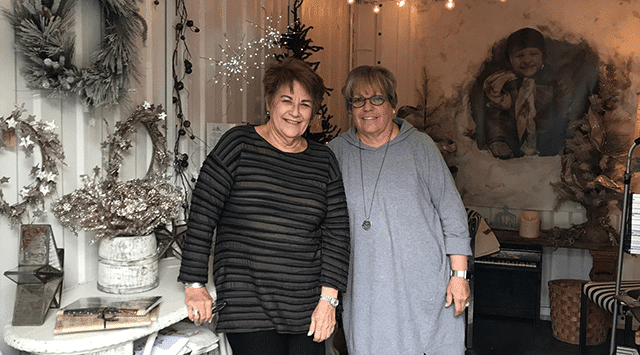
[565, 300]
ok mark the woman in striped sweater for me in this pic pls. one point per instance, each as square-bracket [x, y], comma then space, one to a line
[277, 203]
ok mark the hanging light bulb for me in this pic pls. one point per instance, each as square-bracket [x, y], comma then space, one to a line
[450, 4]
[376, 9]
[350, 2]
[401, 3]
[503, 0]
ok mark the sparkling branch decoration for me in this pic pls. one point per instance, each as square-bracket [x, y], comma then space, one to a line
[135, 207]
[45, 38]
[31, 132]
[238, 60]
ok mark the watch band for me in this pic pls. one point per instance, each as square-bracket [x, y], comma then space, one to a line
[460, 273]
[332, 301]
[193, 285]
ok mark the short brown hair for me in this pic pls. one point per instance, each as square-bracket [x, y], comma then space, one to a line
[372, 76]
[286, 72]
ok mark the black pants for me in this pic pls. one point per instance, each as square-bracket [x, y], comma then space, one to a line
[270, 342]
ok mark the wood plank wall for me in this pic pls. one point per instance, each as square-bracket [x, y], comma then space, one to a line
[204, 103]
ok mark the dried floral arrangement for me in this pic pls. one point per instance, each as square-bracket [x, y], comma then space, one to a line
[45, 38]
[125, 208]
[594, 160]
[31, 131]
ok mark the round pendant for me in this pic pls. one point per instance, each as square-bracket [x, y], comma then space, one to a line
[366, 225]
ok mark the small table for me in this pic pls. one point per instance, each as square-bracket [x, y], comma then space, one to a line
[41, 340]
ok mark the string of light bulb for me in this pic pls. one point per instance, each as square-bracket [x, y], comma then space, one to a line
[450, 4]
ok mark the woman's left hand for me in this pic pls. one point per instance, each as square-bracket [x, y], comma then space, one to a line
[323, 321]
[458, 292]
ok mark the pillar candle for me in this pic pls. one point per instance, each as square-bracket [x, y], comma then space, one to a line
[529, 224]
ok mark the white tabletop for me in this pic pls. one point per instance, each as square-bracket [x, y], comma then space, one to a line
[40, 339]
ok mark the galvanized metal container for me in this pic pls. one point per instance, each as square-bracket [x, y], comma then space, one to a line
[128, 264]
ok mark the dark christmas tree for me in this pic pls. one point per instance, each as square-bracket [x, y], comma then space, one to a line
[295, 40]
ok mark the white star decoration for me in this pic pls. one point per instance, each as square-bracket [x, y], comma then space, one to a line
[146, 105]
[45, 189]
[41, 174]
[26, 141]
[50, 126]
[162, 115]
[12, 122]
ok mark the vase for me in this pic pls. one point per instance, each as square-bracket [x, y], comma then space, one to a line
[128, 264]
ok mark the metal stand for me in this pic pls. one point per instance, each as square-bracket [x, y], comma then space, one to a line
[626, 215]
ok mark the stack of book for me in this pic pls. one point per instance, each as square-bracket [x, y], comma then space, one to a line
[105, 313]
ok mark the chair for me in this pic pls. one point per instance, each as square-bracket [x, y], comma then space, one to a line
[603, 293]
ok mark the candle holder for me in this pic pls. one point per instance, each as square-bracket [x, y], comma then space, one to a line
[38, 275]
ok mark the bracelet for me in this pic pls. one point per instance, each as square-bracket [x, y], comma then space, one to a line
[193, 285]
[460, 273]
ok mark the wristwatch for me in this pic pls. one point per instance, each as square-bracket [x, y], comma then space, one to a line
[193, 285]
[332, 301]
[460, 273]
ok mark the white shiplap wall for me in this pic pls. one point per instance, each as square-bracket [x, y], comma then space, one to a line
[82, 131]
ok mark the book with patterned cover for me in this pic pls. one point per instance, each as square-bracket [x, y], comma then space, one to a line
[75, 323]
[97, 305]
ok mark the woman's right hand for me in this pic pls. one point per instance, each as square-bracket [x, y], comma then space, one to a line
[199, 304]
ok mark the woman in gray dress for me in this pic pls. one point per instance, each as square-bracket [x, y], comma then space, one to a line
[408, 229]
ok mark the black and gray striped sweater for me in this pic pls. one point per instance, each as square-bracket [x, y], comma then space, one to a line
[282, 231]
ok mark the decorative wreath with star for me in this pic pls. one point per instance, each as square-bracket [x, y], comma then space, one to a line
[113, 208]
[31, 132]
[45, 38]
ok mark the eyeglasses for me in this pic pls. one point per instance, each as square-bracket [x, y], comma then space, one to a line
[376, 100]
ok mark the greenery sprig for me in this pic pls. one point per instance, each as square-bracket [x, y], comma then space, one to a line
[45, 38]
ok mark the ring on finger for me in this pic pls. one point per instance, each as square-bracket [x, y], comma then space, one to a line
[195, 313]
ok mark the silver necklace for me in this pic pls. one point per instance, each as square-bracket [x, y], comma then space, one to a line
[366, 225]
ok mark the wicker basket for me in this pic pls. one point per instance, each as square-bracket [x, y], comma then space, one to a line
[565, 300]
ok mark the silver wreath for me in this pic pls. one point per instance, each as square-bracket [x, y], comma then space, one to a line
[31, 132]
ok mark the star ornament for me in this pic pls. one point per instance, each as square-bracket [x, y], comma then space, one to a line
[26, 142]
[50, 126]
[45, 189]
[12, 122]
[146, 105]
[162, 115]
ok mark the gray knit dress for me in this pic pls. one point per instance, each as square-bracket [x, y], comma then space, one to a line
[399, 268]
